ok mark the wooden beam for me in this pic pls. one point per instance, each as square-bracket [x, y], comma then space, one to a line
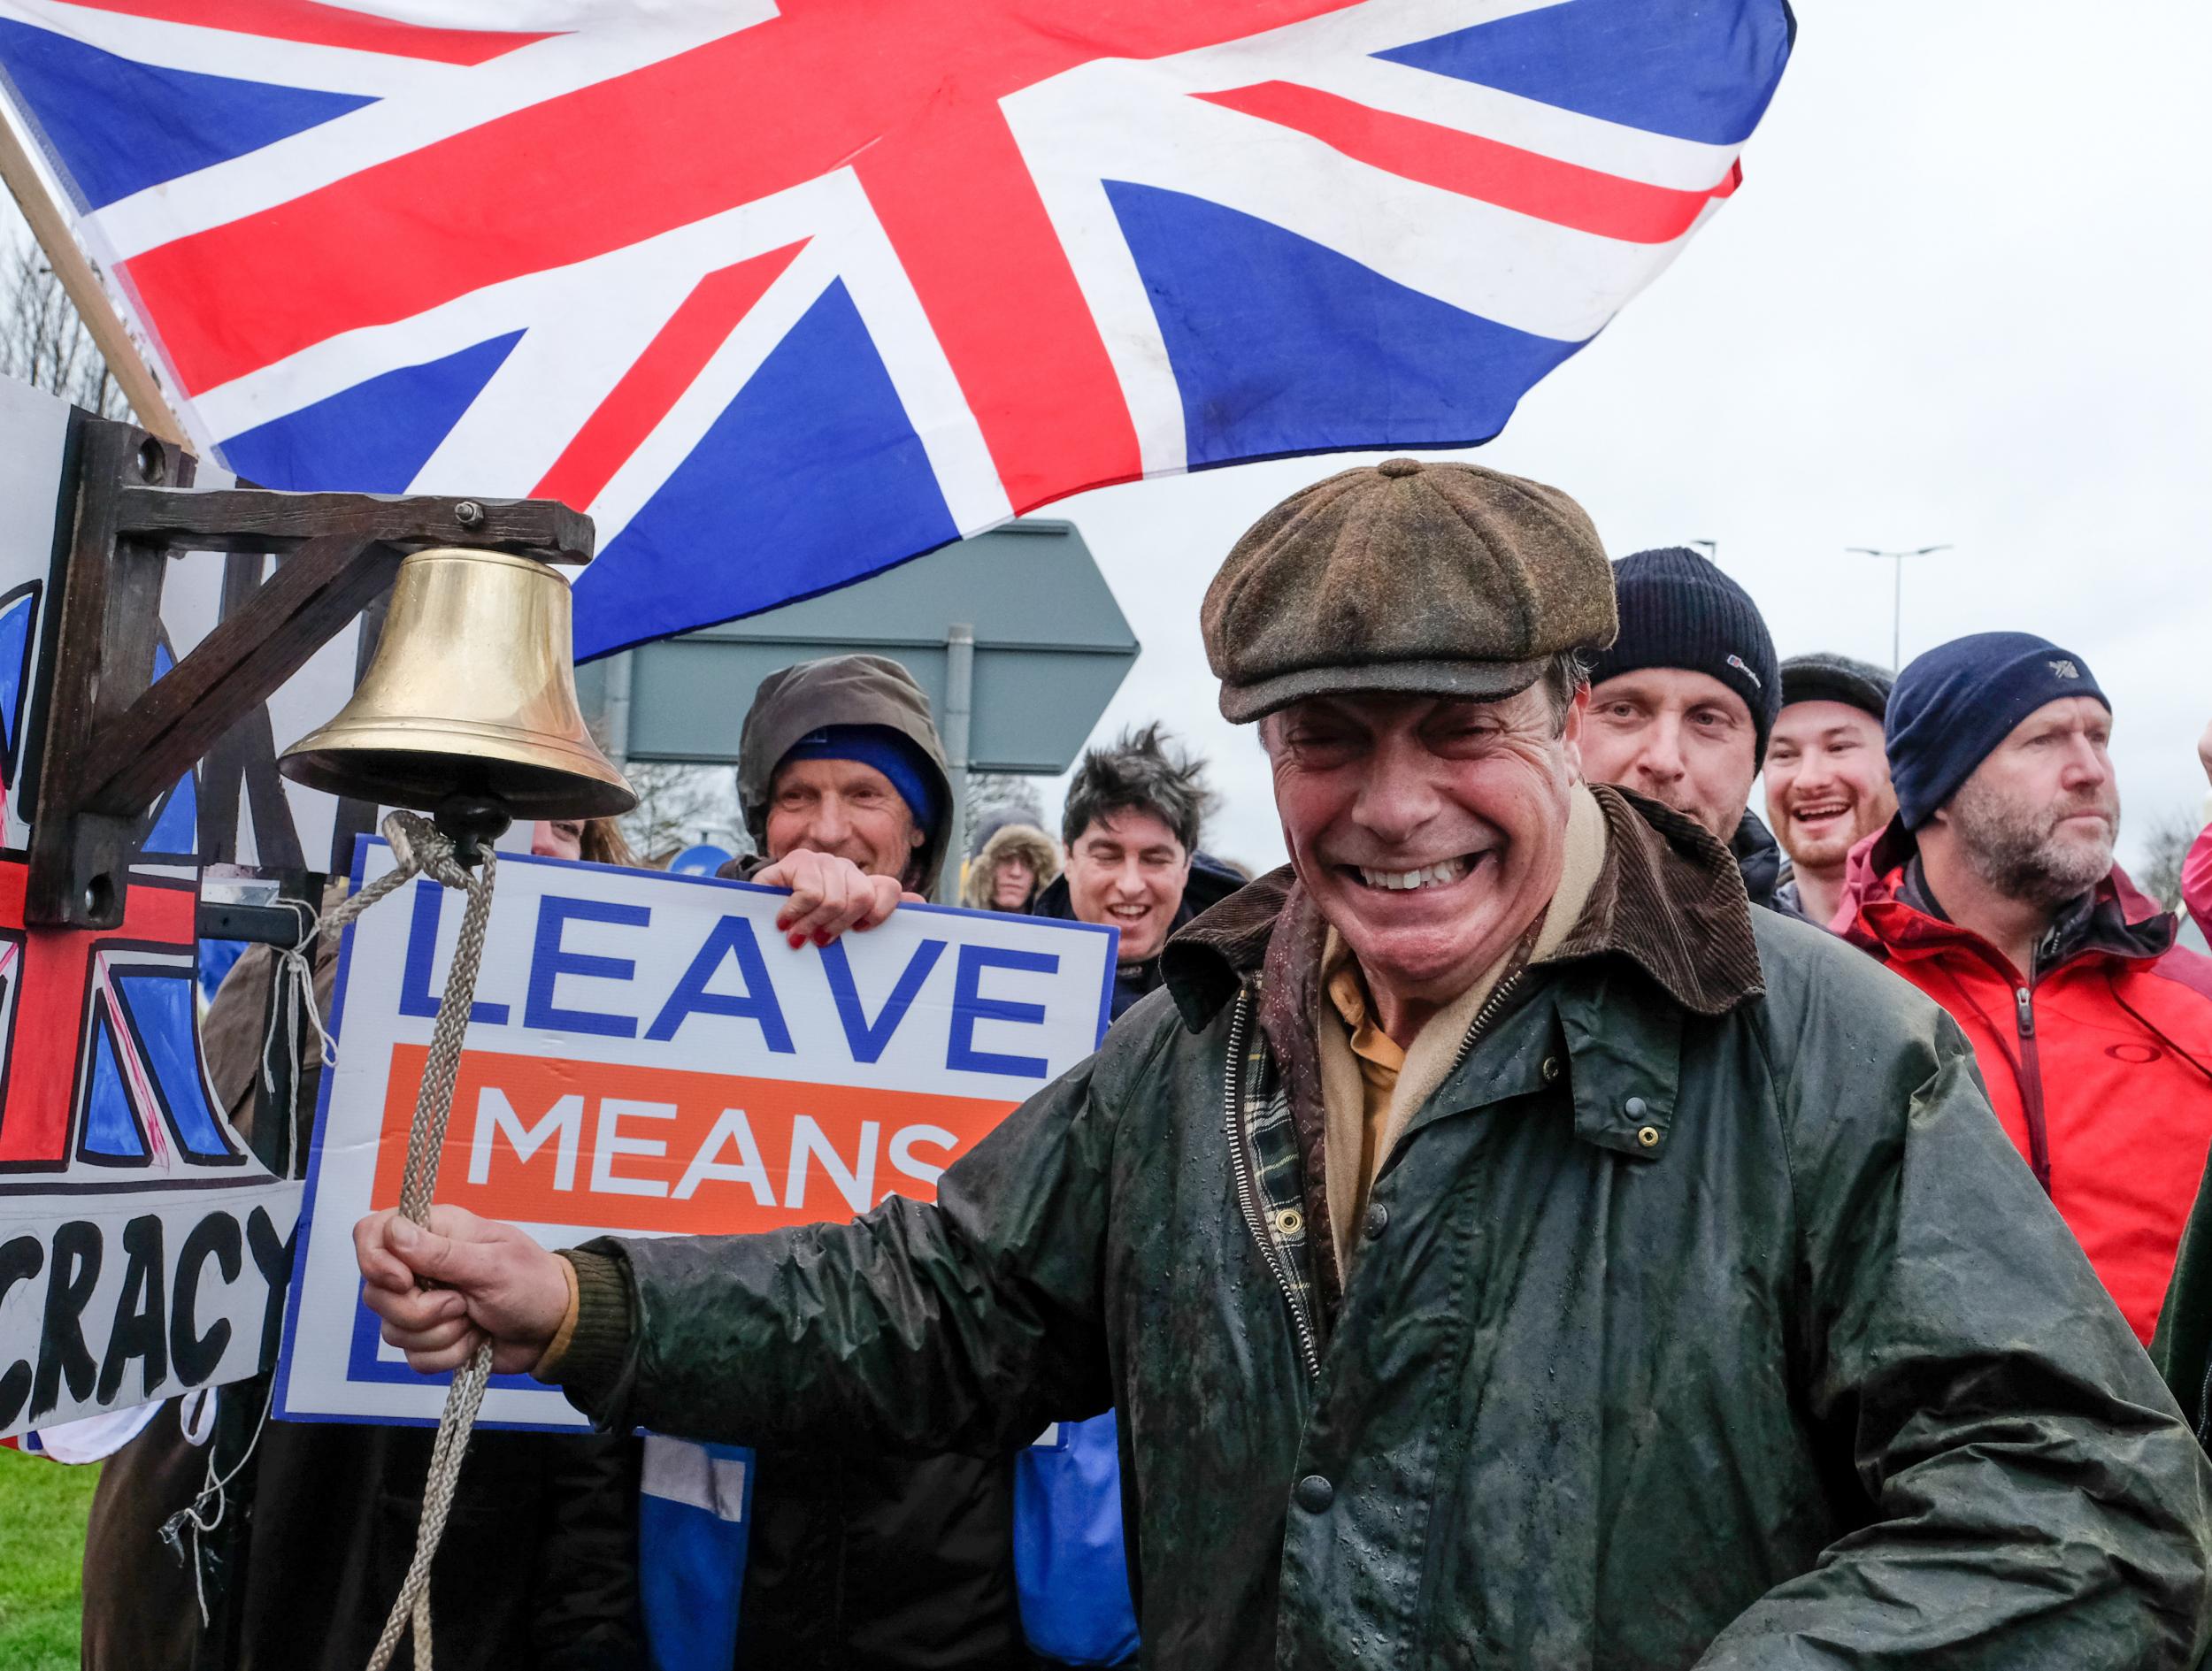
[109, 609]
[82, 283]
[234, 669]
[259, 519]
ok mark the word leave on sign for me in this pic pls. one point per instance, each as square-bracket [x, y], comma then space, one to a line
[649, 1056]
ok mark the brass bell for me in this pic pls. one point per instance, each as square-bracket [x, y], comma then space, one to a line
[471, 694]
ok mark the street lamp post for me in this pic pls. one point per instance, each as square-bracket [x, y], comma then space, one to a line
[1897, 601]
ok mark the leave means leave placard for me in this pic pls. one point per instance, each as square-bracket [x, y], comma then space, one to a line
[648, 1057]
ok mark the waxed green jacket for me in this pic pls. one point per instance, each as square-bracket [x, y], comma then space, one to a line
[1704, 1316]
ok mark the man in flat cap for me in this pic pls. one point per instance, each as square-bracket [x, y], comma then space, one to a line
[1504, 1246]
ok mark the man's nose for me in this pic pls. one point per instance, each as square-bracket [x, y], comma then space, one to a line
[830, 824]
[1395, 801]
[1128, 878]
[2086, 766]
[1815, 772]
[1660, 758]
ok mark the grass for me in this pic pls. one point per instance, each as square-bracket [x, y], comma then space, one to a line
[42, 1510]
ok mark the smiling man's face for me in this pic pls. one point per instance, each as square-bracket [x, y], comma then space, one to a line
[1429, 830]
[1127, 869]
[1827, 779]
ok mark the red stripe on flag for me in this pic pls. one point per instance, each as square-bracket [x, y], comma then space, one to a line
[730, 121]
[670, 363]
[1011, 319]
[315, 24]
[53, 975]
[1566, 194]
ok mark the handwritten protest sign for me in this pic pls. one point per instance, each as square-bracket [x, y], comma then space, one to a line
[648, 1057]
[143, 1249]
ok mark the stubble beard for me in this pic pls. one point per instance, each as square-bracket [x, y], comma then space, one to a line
[2017, 851]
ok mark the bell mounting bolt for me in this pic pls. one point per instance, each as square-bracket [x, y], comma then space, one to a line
[109, 740]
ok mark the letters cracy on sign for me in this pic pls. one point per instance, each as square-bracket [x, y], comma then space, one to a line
[648, 1057]
[143, 1249]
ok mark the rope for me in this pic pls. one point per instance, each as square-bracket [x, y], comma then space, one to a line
[206, 1512]
[422, 849]
[296, 990]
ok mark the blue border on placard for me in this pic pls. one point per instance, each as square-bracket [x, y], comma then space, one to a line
[362, 1363]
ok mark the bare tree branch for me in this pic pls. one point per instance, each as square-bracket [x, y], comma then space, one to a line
[678, 805]
[43, 342]
[2165, 846]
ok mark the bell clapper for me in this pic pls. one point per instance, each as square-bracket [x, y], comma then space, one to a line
[473, 821]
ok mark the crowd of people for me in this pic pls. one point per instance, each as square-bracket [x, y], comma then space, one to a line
[1560, 1218]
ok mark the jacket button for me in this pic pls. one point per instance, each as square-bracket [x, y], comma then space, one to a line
[1377, 1219]
[1314, 1494]
[1551, 1069]
[1634, 1108]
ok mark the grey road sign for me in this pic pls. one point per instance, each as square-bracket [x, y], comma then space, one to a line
[1023, 611]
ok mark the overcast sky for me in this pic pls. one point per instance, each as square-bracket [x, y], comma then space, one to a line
[1959, 299]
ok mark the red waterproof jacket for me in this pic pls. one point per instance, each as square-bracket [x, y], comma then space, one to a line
[2098, 1062]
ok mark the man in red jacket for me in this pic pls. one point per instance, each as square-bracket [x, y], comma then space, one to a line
[1993, 890]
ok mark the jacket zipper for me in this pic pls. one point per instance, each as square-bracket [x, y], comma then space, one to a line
[2031, 1090]
[1248, 1187]
[1485, 1015]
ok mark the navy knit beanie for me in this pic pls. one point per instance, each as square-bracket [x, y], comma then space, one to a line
[892, 752]
[1956, 703]
[1678, 609]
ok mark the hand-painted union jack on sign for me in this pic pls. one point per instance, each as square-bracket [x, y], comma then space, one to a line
[785, 292]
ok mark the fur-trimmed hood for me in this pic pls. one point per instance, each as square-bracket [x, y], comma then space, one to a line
[1025, 840]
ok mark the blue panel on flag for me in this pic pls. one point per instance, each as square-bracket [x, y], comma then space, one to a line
[1253, 319]
[770, 508]
[162, 1006]
[118, 126]
[16, 615]
[176, 827]
[1696, 69]
[110, 1130]
[371, 438]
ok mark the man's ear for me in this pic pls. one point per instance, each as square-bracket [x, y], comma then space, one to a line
[1570, 733]
[917, 836]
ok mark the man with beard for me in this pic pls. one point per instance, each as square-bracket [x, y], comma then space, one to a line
[1993, 890]
[1682, 705]
[1827, 774]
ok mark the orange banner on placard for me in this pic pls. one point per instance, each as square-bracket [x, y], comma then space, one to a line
[546, 1141]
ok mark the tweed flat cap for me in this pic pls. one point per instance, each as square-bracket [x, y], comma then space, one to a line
[1443, 579]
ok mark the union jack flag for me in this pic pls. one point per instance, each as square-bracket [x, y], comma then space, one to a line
[101, 1078]
[785, 291]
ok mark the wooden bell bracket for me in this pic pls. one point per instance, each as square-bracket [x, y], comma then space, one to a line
[110, 739]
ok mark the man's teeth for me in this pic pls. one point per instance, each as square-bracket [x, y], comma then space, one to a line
[1434, 876]
[1826, 809]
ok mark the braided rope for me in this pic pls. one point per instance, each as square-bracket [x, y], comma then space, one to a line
[422, 849]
